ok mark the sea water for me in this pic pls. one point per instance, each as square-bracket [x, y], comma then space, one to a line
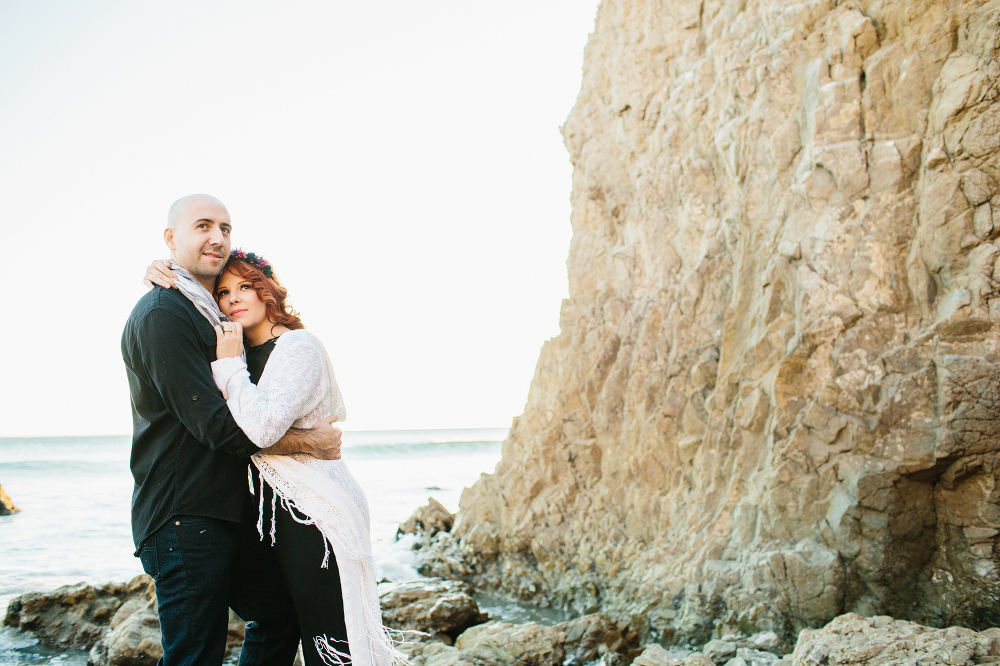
[74, 495]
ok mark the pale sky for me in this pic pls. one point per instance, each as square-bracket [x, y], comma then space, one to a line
[398, 162]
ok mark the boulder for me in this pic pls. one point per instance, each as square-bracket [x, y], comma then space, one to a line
[654, 655]
[597, 636]
[428, 520]
[6, 504]
[873, 641]
[436, 607]
[529, 644]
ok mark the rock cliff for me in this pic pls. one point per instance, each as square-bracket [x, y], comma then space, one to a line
[774, 395]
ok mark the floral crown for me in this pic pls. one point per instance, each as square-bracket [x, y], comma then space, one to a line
[254, 260]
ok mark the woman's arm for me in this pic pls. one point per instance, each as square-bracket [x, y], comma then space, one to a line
[296, 384]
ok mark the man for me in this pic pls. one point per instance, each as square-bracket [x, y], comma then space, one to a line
[193, 526]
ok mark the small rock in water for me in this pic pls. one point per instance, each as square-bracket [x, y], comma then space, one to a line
[428, 520]
[6, 504]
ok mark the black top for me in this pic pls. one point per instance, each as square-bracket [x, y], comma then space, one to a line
[188, 455]
[257, 358]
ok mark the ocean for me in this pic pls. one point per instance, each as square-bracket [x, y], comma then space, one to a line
[74, 495]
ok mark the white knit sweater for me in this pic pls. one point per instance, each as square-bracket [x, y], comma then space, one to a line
[297, 389]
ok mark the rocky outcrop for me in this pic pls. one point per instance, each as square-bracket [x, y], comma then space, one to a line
[117, 622]
[76, 616]
[774, 395]
[7, 504]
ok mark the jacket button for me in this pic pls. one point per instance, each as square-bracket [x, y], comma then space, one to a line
[194, 398]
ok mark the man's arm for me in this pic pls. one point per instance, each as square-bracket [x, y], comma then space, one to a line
[321, 441]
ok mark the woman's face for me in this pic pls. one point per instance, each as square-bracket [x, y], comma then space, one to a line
[238, 300]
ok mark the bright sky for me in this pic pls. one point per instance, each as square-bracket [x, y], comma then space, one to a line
[399, 163]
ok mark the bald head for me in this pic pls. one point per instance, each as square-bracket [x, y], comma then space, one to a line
[197, 234]
[181, 208]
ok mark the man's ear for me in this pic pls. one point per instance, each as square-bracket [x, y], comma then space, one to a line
[168, 238]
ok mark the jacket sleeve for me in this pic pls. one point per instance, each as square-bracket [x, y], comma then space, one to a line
[173, 356]
[296, 383]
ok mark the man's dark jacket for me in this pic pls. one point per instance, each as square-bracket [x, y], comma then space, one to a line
[188, 455]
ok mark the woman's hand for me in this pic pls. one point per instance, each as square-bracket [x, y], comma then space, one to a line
[229, 340]
[159, 273]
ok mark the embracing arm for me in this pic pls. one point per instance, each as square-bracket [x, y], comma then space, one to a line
[320, 441]
[296, 384]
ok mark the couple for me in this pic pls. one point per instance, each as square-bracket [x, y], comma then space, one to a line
[222, 371]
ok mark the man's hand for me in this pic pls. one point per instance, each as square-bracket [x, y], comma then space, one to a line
[159, 273]
[321, 441]
[327, 439]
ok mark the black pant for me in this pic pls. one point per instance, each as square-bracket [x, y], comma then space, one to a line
[316, 592]
[204, 566]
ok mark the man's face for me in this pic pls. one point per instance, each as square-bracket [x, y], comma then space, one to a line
[200, 240]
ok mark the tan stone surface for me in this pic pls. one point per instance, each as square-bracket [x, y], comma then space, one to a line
[774, 394]
[852, 639]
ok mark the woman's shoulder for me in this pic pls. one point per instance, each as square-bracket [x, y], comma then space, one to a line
[298, 339]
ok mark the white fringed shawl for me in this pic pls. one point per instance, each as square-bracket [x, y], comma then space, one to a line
[297, 389]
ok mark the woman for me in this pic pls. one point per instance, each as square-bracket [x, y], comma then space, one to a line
[315, 506]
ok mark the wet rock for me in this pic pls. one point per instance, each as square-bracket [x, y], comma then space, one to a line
[6, 504]
[851, 639]
[428, 520]
[443, 556]
[439, 608]
[74, 616]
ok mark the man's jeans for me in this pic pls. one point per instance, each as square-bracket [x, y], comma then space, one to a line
[203, 567]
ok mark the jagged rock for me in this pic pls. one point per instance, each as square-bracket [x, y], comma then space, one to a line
[719, 651]
[428, 520]
[133, 641]
[443, 556]
[873, 641]
[595, 636]
[655, 655]
[7, 504]
[440, 608]
[774, 396]
[74, 616]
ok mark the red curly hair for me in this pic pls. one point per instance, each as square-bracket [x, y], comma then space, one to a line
[269, 291]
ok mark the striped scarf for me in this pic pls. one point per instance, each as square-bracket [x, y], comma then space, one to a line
[197, 294]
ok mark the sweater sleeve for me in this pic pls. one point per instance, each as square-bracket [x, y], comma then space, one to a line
[296, 373]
